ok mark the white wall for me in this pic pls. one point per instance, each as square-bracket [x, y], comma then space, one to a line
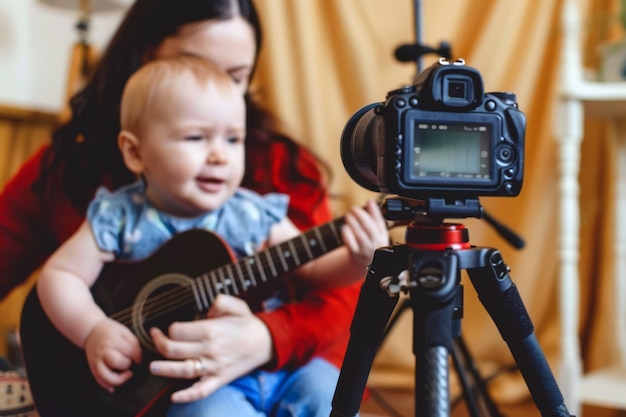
[35, 44]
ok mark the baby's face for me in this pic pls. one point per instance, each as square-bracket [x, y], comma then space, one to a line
[192, 146]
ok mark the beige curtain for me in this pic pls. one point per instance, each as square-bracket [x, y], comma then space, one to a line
[22, 132]
[323, 60]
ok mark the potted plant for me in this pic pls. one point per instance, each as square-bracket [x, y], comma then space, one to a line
[613, 53]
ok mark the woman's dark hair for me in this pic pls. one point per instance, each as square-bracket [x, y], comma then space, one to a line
[85, 147]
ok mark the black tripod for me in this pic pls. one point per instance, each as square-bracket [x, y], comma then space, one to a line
[428, 267]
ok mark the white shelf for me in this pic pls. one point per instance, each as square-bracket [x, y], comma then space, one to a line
[605, 388]
[579, 97]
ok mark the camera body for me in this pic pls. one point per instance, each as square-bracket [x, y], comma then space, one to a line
[441, 137]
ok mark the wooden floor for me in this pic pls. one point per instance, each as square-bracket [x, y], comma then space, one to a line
[391, 403]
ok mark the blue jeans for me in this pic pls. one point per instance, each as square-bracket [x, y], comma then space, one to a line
[303, 392]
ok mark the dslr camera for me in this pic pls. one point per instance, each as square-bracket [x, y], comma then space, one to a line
[441, 137]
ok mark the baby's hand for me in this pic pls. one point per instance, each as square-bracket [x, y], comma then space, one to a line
[111, 348]
[364, 232]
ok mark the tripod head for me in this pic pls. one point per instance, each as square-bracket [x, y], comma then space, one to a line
[434, 211]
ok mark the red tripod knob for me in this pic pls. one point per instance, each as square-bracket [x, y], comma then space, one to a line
[437, 237]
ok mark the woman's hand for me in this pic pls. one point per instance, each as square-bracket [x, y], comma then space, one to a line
[111, 349]
[364, 232]
[230, 343]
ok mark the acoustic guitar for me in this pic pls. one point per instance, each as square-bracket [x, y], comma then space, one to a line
[180, 281]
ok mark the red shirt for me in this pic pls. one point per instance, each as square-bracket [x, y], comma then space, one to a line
[317, 325]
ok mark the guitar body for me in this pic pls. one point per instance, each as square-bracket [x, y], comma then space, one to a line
[176, 283]
[59, 377]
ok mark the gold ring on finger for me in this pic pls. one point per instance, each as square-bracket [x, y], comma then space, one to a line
[200, 366]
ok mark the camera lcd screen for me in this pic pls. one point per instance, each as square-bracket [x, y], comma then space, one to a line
[451, 151]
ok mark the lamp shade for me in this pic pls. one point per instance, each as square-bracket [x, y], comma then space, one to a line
[92, 5]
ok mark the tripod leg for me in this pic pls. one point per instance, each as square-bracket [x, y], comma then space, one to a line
[463, 362]
[435, 297]
[373, 310]
[468, 393]
[500, 297]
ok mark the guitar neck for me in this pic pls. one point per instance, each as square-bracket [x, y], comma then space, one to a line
[267, 265]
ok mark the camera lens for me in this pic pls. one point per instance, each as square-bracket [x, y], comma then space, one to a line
[361, 140]
[456, 89]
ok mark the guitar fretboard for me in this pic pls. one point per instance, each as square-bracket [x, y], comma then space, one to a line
[267, 265]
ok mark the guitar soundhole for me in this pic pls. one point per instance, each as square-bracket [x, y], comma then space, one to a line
[176, 312]
[162, 301]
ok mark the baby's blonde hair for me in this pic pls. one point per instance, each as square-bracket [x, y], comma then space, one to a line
[144, 86]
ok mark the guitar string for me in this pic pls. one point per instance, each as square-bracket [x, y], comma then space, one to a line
[246, 279]
[169, 300]
[229, 281]
[164, 303]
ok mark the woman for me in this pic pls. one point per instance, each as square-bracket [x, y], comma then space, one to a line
[46, 200]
